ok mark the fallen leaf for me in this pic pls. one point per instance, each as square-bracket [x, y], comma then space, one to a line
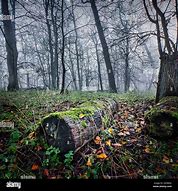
[126, 114]
[35, 167]
[31, 135]
[108, 143]
[38, 148]
[102, 156]
[110, 130]
[46, 172]
[89, 163]
[116, 145]
[123, 142]
[142, 122]
[166, 159]
[121, 134]
[81, 116]
[138, 130]
[97, 140]
[147, 150]
[127, 133]
[133, 140]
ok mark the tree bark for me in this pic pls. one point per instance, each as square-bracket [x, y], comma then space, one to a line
[11, 48]
[168, 76]
[112, 85]
[72, 129]
[63, 48]
[99, 68]
[127, 69]
[76, 48]
[162, 119]
[52, 68]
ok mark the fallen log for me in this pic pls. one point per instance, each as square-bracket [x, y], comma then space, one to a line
[72, 129]
[162, 119]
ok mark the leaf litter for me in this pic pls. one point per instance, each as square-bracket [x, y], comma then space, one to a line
[121, 150]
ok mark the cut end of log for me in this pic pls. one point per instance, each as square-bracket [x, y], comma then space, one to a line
[58, 133]
[162, 119]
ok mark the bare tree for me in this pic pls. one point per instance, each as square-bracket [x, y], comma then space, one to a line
[111, 79]
[63, 48]
[11, 48]
[163, 15]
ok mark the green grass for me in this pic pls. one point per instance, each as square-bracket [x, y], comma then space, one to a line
[21, 147]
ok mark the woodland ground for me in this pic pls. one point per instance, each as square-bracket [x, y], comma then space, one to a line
[121, 150]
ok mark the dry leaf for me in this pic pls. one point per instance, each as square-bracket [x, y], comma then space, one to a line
[138, 130]
[102, 156]
[116, 145]
[81, 116]
[89, 163]
[108, 143]
[38, 148]
[127, 133]
[46, 172]
[123, 142]
[147, 150]
[126, 114]
[31, 135]
[121, 134]
[166, 159]
[97, 140]
[35, 167]
[110, 130]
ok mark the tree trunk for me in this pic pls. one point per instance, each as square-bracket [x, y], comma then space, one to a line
[28, 81]
[12, 54]
[63, 49]
[76, 48]
[112, 85]
[53, 77]
[127, 69]
[99, 67]
[72, 69]
[168, 76]
[162, 119]
[72, 129]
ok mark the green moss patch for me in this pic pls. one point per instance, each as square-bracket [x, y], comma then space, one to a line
[162, 119]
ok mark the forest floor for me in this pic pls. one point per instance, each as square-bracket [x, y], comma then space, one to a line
[121, 150]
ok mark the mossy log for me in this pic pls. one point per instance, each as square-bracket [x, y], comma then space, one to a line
[162, 119]
[72, 129]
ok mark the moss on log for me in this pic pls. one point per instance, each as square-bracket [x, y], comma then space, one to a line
[72, 129]
[162, 119]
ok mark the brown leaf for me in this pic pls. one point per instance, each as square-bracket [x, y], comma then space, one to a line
[35, 167]
[147, 150]
[38, 148]
[46, 172]
[138, 130]
[126, 114]
[97, 140]
[89, 163]
[166, 159]
[31, 135]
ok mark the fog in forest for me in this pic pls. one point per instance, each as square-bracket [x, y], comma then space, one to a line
[58, 45]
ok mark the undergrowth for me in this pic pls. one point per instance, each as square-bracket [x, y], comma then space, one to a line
[120, 150]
